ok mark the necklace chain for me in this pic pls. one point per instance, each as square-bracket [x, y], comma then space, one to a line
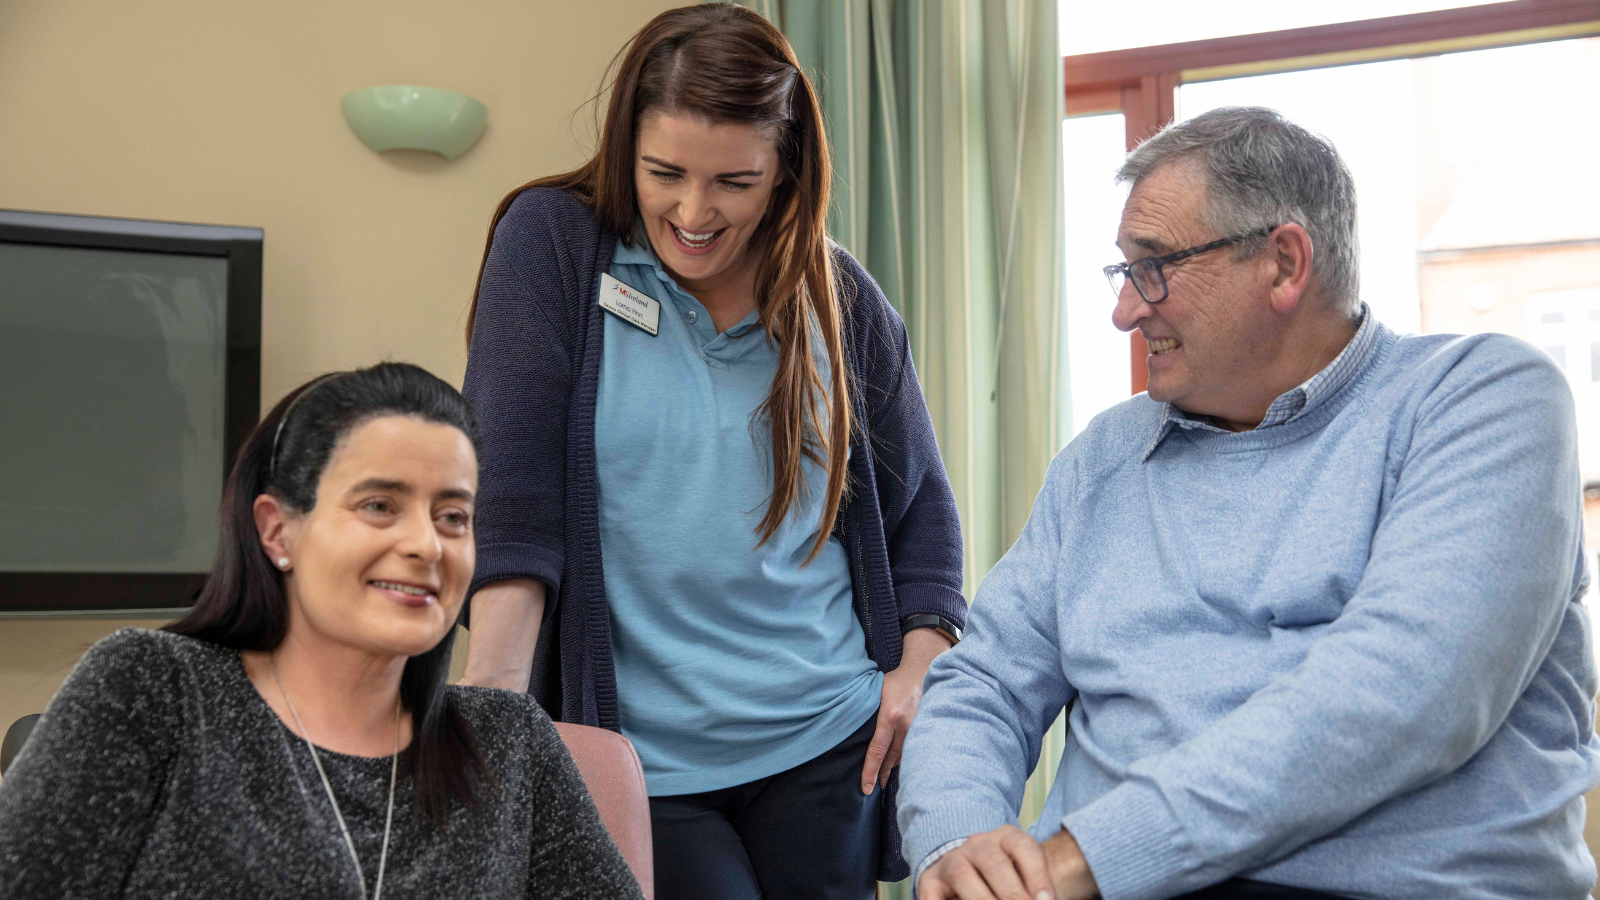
[394, 766]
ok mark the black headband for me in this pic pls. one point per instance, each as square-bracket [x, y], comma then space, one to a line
[272, 461]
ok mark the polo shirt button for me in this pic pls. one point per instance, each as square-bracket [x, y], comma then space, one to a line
[691, 316]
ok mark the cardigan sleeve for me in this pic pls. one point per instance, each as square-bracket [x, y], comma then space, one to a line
[921, 525]
[519, 383]
[79, 800]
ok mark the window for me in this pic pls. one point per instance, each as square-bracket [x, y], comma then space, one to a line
[1098, 366]
[1557, 322]
[1093, 28]
[1460, 126]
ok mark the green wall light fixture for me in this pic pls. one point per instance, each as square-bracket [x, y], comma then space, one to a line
[410, 117]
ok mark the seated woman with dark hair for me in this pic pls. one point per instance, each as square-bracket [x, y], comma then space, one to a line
[293, 735]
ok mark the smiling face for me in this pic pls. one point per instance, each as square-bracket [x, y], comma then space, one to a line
[703, 190]
[382, 561]
[1215, 329]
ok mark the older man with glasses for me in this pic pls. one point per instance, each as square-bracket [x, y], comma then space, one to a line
[1312, 603]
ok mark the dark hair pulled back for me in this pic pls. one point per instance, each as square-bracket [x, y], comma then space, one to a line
[244, 603]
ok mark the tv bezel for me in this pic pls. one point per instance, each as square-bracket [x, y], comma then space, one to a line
[101, 593]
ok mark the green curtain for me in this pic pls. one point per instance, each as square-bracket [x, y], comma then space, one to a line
[945, 121]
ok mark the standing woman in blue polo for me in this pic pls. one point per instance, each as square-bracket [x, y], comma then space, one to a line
[712, 511]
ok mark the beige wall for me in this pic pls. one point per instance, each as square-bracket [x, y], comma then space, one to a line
[228, 113]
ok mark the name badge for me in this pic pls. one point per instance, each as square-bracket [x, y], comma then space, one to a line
[629, 305]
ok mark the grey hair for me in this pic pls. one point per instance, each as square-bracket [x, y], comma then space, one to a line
[1261, 171]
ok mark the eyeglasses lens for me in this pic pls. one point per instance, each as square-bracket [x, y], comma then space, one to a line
[1149, 281]
[1118, 279]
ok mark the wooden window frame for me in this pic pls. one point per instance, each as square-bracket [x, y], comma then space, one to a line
[1142, 82]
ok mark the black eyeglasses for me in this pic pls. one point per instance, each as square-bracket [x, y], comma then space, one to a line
[1146, 273]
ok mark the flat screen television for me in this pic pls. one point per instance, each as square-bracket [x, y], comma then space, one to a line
[130, 372]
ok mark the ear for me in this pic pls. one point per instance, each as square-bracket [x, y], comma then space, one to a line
[1290, 252]
[272, 526]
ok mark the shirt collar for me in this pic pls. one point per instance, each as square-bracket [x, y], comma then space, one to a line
[1295, 402]
[1303, 399]
[1173, 417]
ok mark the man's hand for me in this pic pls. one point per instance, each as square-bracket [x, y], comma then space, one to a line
[1003, 864]
[1008, 864]
[902, 694]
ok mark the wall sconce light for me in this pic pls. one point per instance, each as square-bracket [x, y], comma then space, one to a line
[408, 117]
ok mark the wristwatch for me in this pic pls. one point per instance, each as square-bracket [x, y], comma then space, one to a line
[938, 623]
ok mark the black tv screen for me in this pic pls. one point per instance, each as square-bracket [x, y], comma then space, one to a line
[129, 373]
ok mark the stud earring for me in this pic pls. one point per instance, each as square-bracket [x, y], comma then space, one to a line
[283, 563]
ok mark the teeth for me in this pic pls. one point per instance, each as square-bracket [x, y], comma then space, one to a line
[1164, 345]
[403, 588]
[696, 239]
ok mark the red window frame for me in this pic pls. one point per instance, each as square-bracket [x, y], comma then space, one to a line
[1142, 82]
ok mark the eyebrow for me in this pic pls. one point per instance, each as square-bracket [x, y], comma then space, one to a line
[746, 173]
[400, 487]
[381, 484]
[1146, 243]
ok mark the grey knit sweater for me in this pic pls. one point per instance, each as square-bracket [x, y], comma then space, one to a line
[158, 771]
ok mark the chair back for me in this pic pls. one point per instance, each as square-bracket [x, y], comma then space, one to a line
[615, 779]
[15, 736]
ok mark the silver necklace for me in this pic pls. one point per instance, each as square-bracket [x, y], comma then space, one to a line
[394, 766]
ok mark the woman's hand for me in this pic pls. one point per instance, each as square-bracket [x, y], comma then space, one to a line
[902, 694]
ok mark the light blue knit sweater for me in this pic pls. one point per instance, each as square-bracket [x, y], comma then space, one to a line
[1345, 652]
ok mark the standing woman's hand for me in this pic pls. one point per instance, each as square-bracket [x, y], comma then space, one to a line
[902, 694]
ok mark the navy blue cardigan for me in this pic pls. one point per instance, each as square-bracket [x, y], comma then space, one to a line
[532, 376]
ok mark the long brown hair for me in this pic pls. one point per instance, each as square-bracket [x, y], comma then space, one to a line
[724, 63]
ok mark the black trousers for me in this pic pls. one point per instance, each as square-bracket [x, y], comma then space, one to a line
[805, 834]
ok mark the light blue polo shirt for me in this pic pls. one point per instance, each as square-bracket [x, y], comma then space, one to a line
[733, 662]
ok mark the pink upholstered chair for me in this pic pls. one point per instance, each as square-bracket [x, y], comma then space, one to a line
[611, 771]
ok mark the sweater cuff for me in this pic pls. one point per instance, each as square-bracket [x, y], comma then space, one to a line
[507, 561]
[940, 828]
[921, 597]
[1134, 846]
